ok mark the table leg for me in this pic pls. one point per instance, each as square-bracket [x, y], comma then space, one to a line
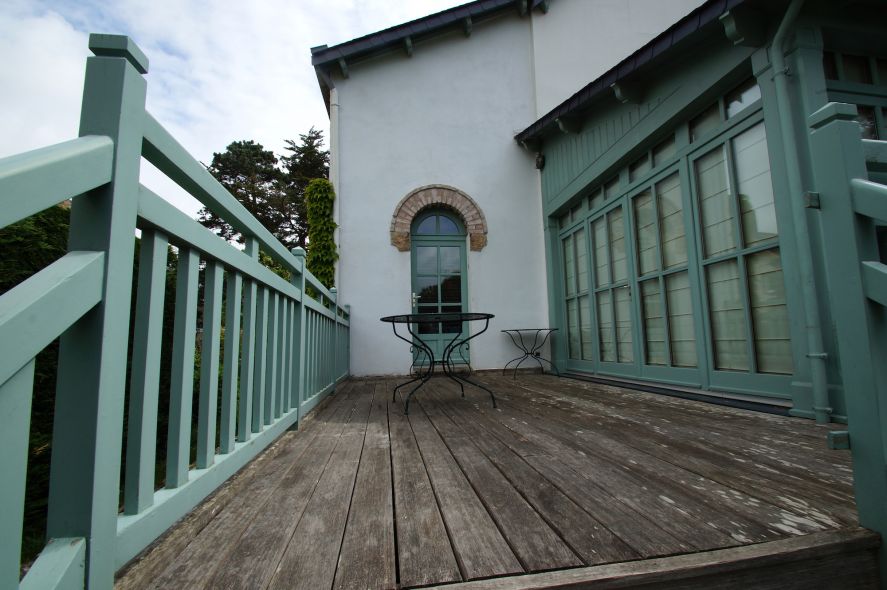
[448, 351]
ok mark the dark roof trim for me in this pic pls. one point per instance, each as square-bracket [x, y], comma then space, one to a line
[700, 17]
[423, 27]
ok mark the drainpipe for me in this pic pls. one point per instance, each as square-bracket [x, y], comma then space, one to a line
[815, 349]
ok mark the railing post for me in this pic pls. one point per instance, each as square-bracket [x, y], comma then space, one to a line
[248, 349]
[860, 325]
[347, 355]
[335, 371]
[85, 471]
[300, 357]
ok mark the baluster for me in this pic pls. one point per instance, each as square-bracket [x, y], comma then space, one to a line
[178, 447]
[271, 377]
[145, 379]
[281, 356]
[260, 359]
[15, 408]
[248, 356]
[232, 352]
[209, 364]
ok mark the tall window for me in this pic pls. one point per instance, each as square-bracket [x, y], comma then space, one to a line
[742, 267]
[576, 295]
[666, 313]
[612, 288]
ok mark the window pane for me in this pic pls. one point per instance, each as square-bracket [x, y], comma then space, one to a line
[640, 167]
[829, 66]
[601, 253]
[450, 260]
[427, 287]
[569, 267]
[671, 221]
[645, 228]
[624, 352]
[611, 189]
[717, 209]
[744, 95]
[769, 313]
[596, 199]
[573, 328]
[605, 326]
[585, 328]
[754, 186]
[429, 328]
[448, 226]
[705, 122]
[663, 151]
[654, 326]
[727, 316]
[451, 327]
[428, 225]
[451, 289]
[617, 245]
[426, 260]
[867, 122]
[882, 72]
[564, 221]
[581, 260]
[681, 330]
[577, 211]
[856, 69]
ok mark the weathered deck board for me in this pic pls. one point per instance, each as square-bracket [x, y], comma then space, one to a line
[367, 556]
[310, 559]
[563, 476]
[425, 555]
[480, 549]
[252, 560]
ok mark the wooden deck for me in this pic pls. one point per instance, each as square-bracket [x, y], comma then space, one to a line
[564, 477]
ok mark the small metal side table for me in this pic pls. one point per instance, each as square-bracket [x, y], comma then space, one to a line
[446, 360]
[521, 339]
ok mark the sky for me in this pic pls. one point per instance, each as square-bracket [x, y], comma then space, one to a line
[219, 71]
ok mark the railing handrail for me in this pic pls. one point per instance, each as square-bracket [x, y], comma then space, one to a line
[294, 347]
[162, 150]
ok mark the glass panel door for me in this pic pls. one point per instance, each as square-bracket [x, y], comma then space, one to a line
[438, 286]
[612, 293]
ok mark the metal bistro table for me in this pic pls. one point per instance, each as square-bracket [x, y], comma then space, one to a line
[533, 351]
[446, 360]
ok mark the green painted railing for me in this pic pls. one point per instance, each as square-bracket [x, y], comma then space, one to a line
[852, 207]
[282, 353]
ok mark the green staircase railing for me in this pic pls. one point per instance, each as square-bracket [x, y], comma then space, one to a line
[284, 351]
[852, 209]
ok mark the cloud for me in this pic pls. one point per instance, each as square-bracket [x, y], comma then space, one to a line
[220, 71]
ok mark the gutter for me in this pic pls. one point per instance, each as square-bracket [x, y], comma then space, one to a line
[812, 326]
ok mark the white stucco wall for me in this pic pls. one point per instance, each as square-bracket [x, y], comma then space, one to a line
[578, 40]
[447, 115]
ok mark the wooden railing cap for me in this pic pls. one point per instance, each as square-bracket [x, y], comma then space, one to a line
[104, 45]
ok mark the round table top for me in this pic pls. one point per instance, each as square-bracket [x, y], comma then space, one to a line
[430, 318]
[530, 330]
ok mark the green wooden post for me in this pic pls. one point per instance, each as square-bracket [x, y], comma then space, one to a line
[86, 449]
[280, 405]
[291, 356]
[145, 378]
[271, 375]
[15, 408]
[233, 296]
[860, 323]
[334, 372]
[347, 351]
[260, 359]
[248, 356]
[209, 364]
[178, 439]
[301, 358]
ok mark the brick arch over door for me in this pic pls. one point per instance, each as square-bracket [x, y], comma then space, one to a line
[441, 196]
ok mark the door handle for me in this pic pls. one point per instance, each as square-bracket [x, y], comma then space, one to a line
[415, 300]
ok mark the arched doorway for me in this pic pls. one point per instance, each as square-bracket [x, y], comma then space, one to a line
[438, 272]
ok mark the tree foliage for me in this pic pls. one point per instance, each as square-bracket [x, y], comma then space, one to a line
[272, 189]
[322, 254]
[307, 160]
